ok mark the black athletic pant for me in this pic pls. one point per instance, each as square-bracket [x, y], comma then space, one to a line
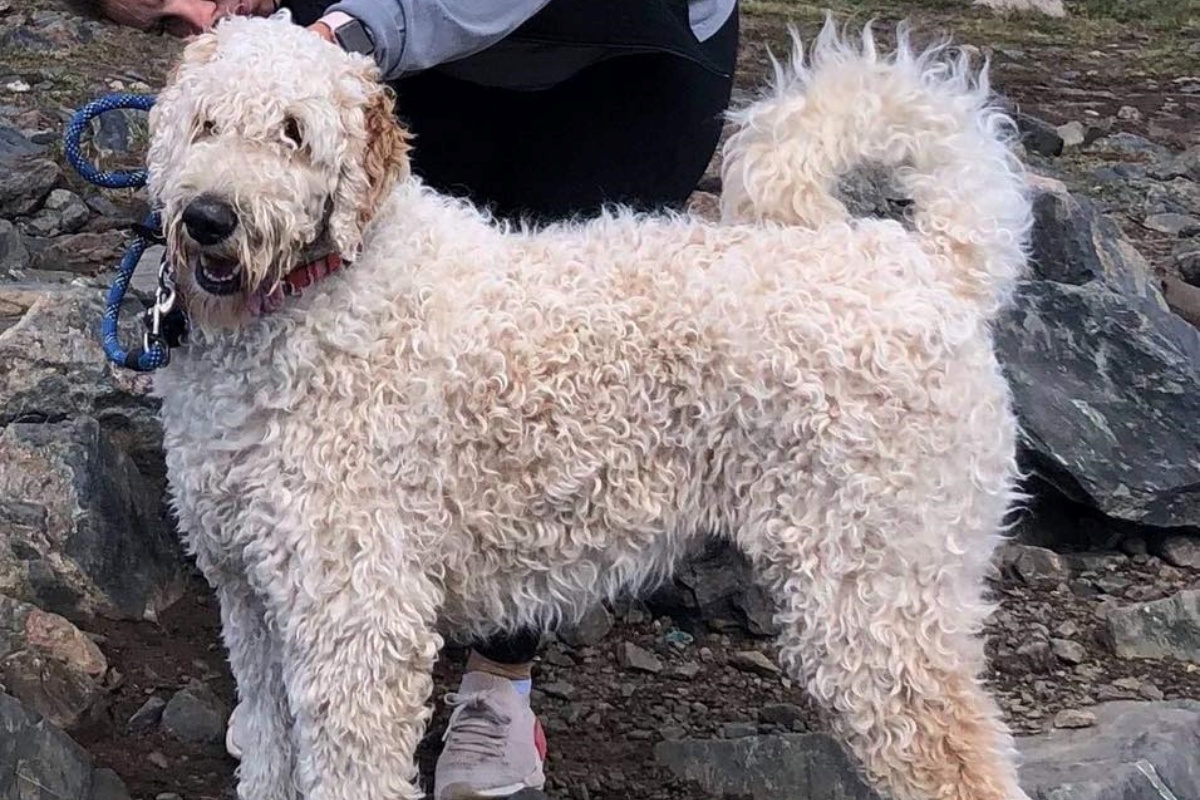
[636, 129]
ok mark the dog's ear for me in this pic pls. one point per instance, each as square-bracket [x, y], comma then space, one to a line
[386, 157]
[167, 136]
[383, 161]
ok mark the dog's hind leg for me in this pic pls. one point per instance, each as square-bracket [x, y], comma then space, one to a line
[879, 606]
[262, 726]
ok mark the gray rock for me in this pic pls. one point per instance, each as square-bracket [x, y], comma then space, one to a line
[1130, 144]
[717, 583]
[590, 630]
[52, 368]
[148, 717]
[1179, 196]
[1038, 136]
[1038, 567]
[738, 730]
[1180, 551]
[787, 715]
[1183, 165]
[633, 657]
[1187, 260]
[24, 183]
[1073, 134]
[14, 144]
[1072, 242]
[48, 664]
[1167, 628]
[756, 662]
[72, 211]
[85, 253]
[1107, 391]
[779, 767]
[1181, 225]
[1074, 718]
[14, 256]
[37, 760]
[1049, 8]
[195, 714]
[1134, 751]
[1068, 652]
[107, 785]
[85, 533]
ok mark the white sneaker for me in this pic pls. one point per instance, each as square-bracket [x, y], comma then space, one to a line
[494, 745]
[231, 744]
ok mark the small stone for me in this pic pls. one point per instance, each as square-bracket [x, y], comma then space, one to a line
[1149, 691]
[558, 689]
[146, 718]
[785, 714]
[1068, 652]
[1038, 136]
[107, 785]
[72, 211]
[633, 657]
[1181, 551]
[1181, 225]
[1037, 567]
[1129, 114]
[687, 670]
[195, 714]
[159, 760]
[672, 733]
[1074, 718]
[14, 256]
[754, 661]
[590, 630]
[1073, 133]
[1167, 628]
[738, 730]
[1067, 630]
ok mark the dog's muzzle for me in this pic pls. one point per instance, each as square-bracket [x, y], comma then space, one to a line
[209, 221]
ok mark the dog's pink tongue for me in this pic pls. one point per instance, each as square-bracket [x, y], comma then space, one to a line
[261, 302]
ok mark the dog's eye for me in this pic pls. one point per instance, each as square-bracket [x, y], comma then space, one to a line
[291, 131]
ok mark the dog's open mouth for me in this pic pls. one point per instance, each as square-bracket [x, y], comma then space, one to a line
[215, 275]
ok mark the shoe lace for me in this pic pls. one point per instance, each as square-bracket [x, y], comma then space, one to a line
[478, 726]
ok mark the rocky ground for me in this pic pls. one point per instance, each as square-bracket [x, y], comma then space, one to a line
[1094, 651]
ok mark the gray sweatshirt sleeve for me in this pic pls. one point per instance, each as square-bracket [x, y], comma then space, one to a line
[412, 35]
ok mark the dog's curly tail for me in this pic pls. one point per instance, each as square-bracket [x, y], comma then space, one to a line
[924, 114]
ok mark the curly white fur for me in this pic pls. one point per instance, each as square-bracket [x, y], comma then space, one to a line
[487, 428]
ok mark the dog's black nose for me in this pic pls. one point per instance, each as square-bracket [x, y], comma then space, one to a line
[209, 220]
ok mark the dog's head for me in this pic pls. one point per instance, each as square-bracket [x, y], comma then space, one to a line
[269, 147]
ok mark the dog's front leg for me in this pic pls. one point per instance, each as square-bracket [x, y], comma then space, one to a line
[359, 647]
[262, 726]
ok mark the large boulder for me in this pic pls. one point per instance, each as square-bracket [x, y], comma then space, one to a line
[40, 762]
[83, 532]
[52, 368]
[48, 664]
[1135, 751]
[812, 766]
[1106, 379]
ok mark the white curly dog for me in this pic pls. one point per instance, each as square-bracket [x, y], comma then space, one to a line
[482, 427]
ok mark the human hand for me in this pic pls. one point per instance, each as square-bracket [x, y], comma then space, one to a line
[322, 30]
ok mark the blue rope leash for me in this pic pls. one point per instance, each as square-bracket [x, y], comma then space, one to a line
[78, 123]
[155, 351]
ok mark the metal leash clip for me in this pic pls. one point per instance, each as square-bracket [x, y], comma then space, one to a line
[166, 324]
